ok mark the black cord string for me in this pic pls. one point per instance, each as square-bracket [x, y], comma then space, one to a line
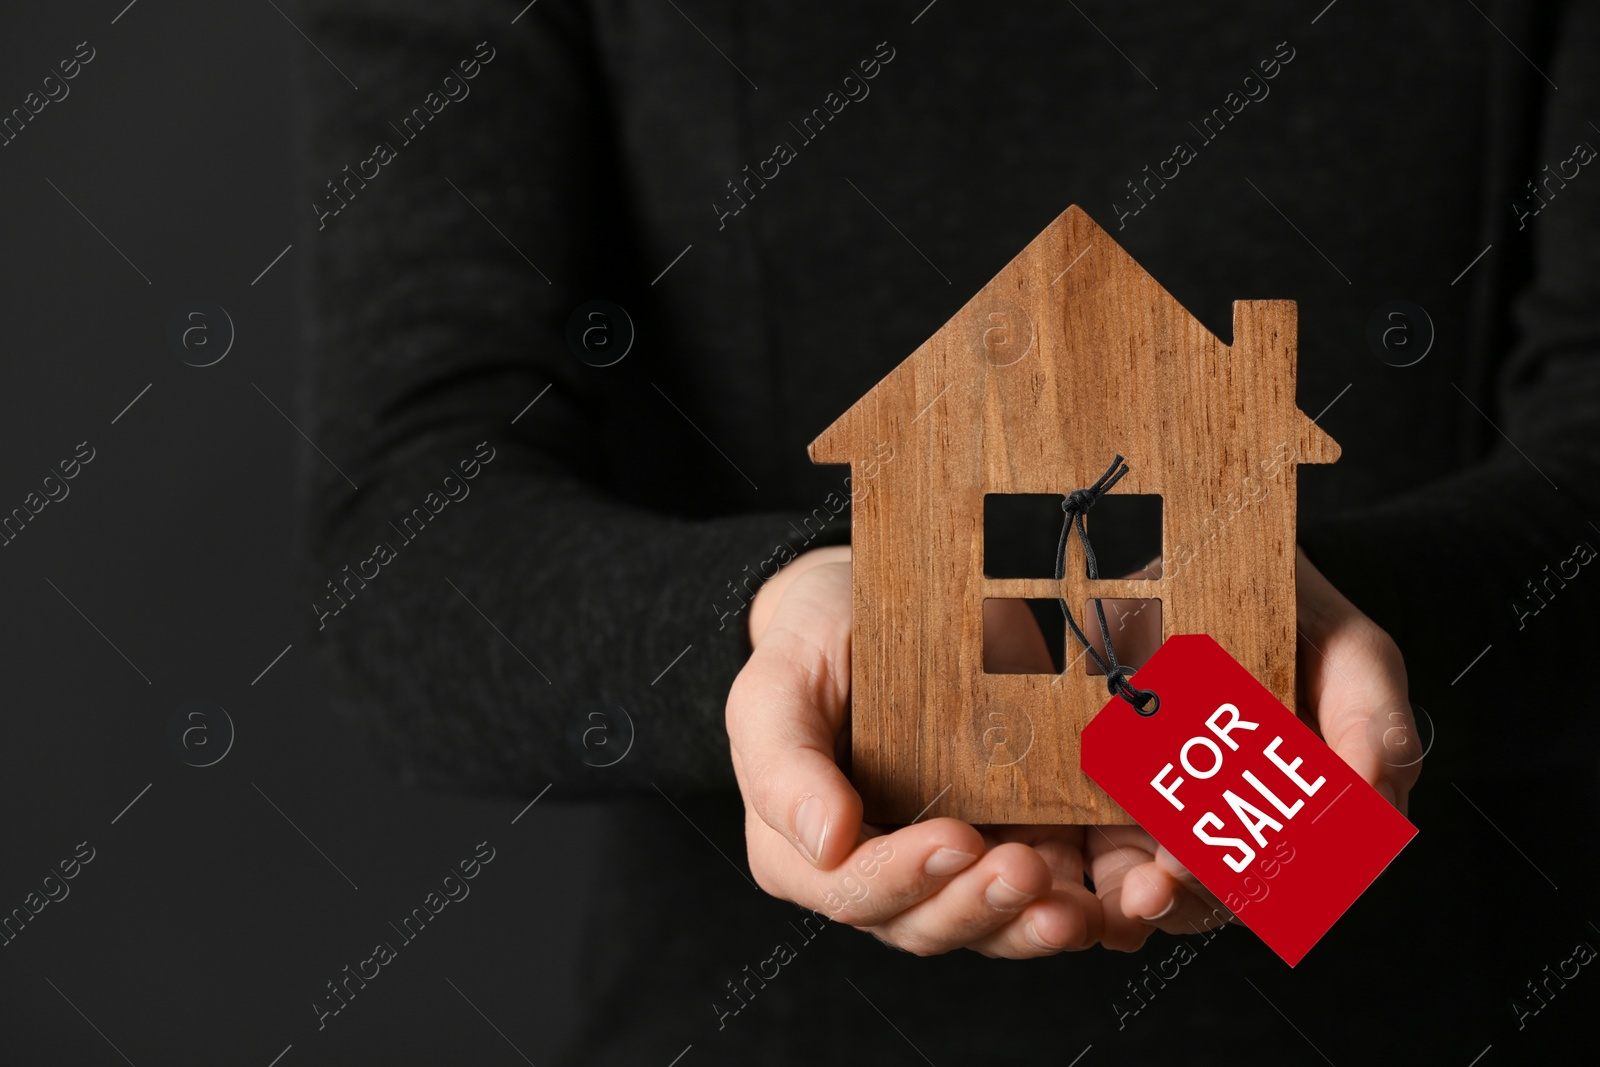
[1074, 508]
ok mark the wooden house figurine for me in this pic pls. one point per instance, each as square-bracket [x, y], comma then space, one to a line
[1070, 355]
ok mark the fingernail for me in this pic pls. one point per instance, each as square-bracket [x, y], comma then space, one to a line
[811, 827]
[1162, 914]
[1034, 936]
[1004, 897]
[947, 861]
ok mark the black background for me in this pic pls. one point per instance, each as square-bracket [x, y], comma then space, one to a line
[207, 923]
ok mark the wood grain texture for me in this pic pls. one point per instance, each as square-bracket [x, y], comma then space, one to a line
[1070, 355]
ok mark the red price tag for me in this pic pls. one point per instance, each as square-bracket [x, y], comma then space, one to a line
[1244, 795]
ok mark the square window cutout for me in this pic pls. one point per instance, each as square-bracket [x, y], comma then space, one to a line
[1125, 530]
[1135, 627]
[1020, 534]
[1024, 636]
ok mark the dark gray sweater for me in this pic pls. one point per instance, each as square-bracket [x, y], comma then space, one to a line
[572, 574]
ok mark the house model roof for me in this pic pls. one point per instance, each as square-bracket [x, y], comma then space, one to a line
[1076, 324]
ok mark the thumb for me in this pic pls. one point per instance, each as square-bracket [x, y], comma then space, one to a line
[1355, 678]
[785, 712]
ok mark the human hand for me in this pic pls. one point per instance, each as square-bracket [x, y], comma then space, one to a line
[1353, 692]
[930, 887]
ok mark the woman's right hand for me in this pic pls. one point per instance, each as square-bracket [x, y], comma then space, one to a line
[927, 888]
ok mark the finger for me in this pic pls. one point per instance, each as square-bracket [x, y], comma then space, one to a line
[881, 878]
[975, 903]
[1115, 853]
[1066, 919]
[1217, 913]
[1061, 848]
[1355, 678]
[1150, 889]
[785, 711]
[1148, 885]
[1012, 641]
